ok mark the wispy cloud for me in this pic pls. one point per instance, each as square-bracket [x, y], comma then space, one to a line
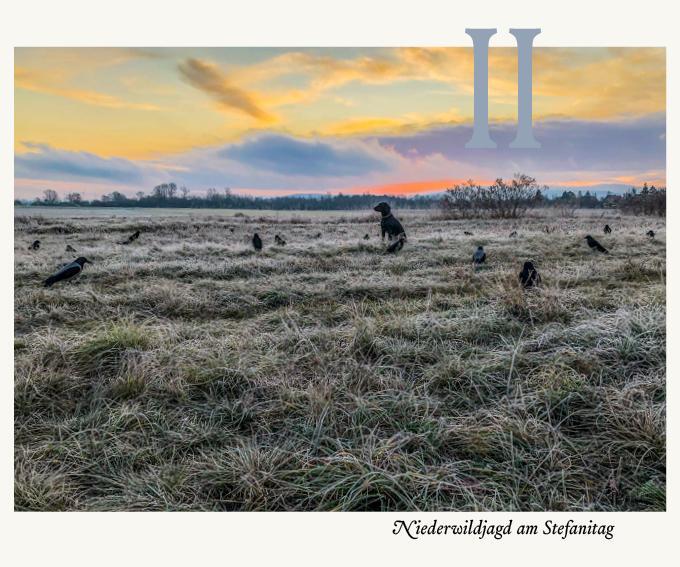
[208, 78]
[32, 81]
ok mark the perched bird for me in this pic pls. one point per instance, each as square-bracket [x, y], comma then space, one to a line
[529, 276]
[650, 233]
[594, 244]
[257, 242]
[366, 237]
[68, 271]
[70, 248]
[479, 257]
[513, 234]
[132, 238]
[388, 223]
[280, 241]
[607, 229]
[397, 245]
[35, 245]
[467, 233]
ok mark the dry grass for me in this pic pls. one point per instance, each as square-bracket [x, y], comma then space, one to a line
[187, 372]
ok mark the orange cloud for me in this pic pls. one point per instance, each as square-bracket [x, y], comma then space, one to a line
[209, 79]
[31, 81]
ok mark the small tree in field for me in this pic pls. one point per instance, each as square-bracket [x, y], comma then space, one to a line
[500, 200]
[51, 197]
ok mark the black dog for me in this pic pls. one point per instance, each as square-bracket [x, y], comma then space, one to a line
[594, 244]
[607, 229]
[529, 276]
[388, 224]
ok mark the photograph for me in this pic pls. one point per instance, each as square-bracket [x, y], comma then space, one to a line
[292, 279]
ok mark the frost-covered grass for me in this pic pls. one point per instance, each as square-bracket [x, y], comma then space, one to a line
[186, 371]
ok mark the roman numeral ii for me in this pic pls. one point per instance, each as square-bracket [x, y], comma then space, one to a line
[480, 43]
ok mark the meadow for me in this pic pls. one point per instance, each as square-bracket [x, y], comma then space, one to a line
[185, 371]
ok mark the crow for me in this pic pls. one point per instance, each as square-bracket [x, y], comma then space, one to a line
[35, 245]
[366, 237]
[513, 234]
[607, 229]
[388, 224]
[397, 245]
[67, 272]
[280, 241]
[479, 257]
[467, 233]
[529, 276]
[650, 233]
[70, 248]
[257, 242]
[132, 238]
[594, 244]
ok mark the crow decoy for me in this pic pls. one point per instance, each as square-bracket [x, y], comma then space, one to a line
[594, 244]
[67, 272]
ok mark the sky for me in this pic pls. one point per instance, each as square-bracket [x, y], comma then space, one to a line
[275, 121]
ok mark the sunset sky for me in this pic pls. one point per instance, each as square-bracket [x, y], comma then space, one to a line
[268, 121]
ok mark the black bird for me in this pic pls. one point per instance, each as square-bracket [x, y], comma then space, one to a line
[132, 238]
[70, 248]
[513, 234]
[257, 242]
[35, 245]
[650, 233]
[596, 245]
[231, 229]
[366, 237]
[607, 229]
[68, 271]
[529, 276]
[317, 235]
[280, 241]
[479, 257]
[397, 245]
[388, 224]
[467, 233]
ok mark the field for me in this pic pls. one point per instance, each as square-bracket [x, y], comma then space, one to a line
[188, 372]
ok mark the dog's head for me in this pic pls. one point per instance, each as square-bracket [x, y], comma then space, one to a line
[382, 208]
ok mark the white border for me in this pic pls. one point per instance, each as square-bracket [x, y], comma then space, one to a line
[296, 538]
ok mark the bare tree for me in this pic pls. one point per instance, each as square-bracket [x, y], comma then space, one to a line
[74, 198]
[184, 190]
[500, 200]
[51, 196]
[139, 195]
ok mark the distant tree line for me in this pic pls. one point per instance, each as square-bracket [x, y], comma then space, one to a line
[502, 199]
[169, 195]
